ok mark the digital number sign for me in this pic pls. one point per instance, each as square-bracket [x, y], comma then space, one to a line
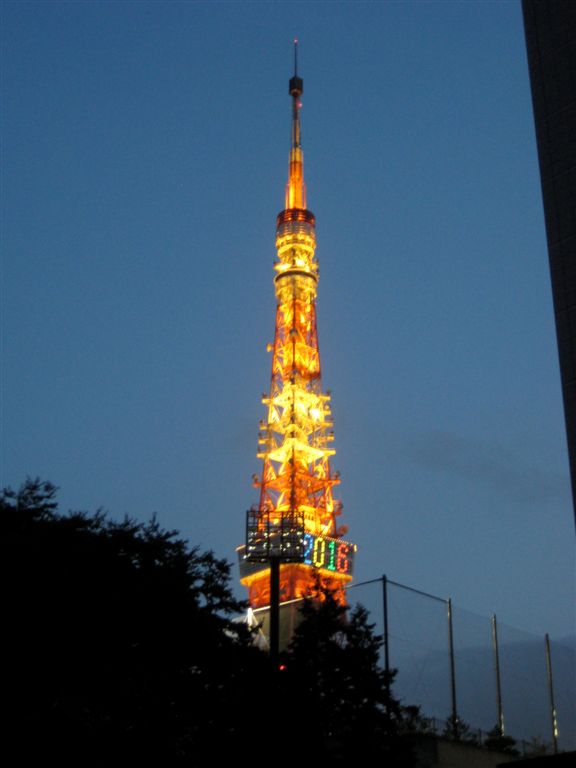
[333, 555]
[330, 554]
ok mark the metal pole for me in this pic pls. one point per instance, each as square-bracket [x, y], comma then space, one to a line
[274, 610]
[497, 671]
[452, 670]
[386, 642]
[386, 635]
[553, 718]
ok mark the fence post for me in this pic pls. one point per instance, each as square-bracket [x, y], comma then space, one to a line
[386, 635]
[497, 671]
[452, 669]
[553, 717]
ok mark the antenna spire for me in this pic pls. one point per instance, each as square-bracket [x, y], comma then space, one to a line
[296, 189]
[295, 57]
[296, 84]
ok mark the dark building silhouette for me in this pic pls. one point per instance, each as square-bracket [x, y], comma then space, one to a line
[550, 29]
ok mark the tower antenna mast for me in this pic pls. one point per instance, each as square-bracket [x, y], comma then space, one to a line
[295, 57]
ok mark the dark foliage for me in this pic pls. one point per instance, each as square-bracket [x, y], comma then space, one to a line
[414, 722]
[457, 729]
[121, 647]
[331, 676]
[500, 742]
[120, 639]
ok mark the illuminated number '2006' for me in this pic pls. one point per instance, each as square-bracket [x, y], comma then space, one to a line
[330, 554]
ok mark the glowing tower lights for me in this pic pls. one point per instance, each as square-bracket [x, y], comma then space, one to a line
[294, 527]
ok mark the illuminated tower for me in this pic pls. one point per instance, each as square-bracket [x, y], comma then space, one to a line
[296, 519]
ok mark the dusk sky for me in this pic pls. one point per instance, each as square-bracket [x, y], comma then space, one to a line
[144, 154]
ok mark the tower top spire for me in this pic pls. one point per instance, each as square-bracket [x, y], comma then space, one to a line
[296, 84]
[296, 188]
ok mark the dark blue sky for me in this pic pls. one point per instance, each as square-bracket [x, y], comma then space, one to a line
[145, 156]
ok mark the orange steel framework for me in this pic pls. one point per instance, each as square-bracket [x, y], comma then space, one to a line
[296, 518]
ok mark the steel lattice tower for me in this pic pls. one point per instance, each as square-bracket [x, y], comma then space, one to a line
[295, 520]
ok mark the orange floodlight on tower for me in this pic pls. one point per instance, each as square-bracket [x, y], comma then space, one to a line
[295, 524]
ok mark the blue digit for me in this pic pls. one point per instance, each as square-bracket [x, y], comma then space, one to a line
[308, 548]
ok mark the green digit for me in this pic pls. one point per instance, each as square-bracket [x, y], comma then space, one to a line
[332, 548]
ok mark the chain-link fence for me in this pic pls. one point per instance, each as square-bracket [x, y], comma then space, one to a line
[491, 676]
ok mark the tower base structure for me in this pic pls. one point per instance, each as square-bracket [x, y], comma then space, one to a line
[295, 579]
[294, 587]
[289, 616]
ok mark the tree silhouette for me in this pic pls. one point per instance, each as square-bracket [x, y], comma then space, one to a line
[457, 729]
[333, 681]
[121, 646]
[414, 722]
[120, 638]
[500, 742]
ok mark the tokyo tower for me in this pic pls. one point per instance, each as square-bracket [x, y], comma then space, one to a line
[294, 527]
